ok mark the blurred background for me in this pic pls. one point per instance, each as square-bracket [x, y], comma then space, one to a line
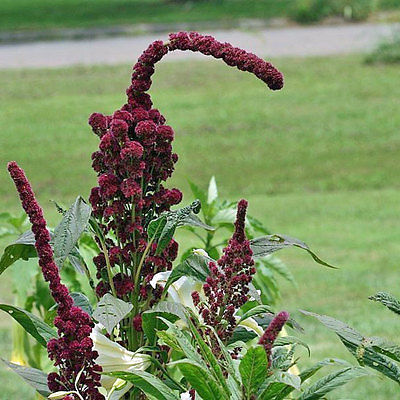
[317, 160]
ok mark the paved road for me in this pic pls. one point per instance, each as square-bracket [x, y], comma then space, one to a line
[307, 41]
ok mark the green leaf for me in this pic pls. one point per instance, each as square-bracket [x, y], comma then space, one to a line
[257, 310]
[309, 372]
[110, 311]
[253, 368]
[387, 300]
[195, 266]
[163, 228]
[288, 379]
[257, 225]
[34, 377]
[23, 248]
[212, 191]
[286, 340]
[184, 343]
[198, 193]
[201, 380]
[278, 266]
[151, 322]
[363, 348]
[31, 323]
[385, 347]
[147, 383]
[169, 340]
[208, 355]
[81, 301]
[266, 245]
[71, 227]
[332, 381]
[264, 310]
[227, 359]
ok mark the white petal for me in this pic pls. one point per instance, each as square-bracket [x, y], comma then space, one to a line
[251, 325]
[201, 252]
[160, 279]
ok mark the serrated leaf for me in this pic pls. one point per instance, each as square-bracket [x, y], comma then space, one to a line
[387, 300]
[147, 383]
[253, 369]
[212, 191]
[71, 227]
[269, 244]
[31, 323]
[332, 381]
[110, 311]
[34, 377]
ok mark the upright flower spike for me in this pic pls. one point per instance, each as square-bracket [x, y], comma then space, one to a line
[227, 286]
[271, 333]
[72, 351]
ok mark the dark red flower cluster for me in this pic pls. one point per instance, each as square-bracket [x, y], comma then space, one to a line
[272, 332]
[135, 157]
[227, 286]
[232, 56]
[72, 351]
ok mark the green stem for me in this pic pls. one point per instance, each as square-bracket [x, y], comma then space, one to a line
[108, 264]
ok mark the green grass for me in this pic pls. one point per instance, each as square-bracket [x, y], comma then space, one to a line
[56, 14]
[317, 160]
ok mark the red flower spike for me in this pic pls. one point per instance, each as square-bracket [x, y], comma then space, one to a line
[72, 351]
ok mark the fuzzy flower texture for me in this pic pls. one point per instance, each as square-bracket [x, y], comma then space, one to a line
[72, 351]
[227, 286]
[134, 160]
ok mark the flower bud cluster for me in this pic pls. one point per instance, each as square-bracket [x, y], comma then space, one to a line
[227, 287]
[271, 333]
[72, 352]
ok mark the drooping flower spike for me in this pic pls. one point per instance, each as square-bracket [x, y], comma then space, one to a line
[72, 352]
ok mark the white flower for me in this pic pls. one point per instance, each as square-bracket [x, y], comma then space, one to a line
[181, 290]
[185, 396]
[113, 357]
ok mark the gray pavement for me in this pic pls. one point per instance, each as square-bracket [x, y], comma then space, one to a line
[297, 41]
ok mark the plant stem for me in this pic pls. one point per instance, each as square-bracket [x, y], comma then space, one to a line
[109, 273]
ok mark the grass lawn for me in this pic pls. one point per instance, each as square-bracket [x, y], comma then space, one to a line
[318, 160]
[55, 14]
